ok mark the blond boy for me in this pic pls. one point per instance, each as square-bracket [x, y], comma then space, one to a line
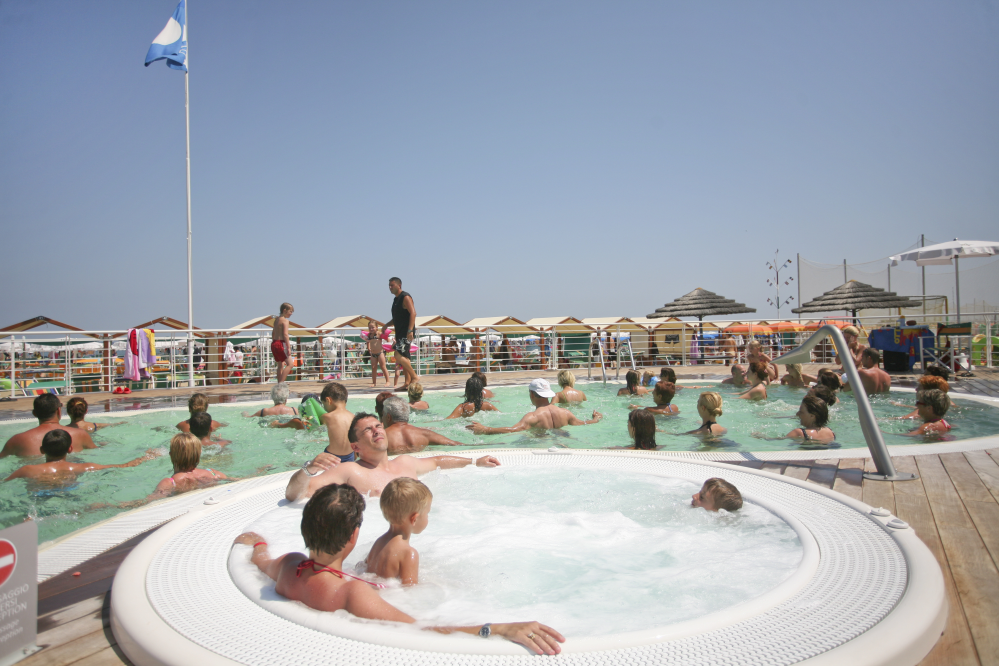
[717, 494]
[405, 504]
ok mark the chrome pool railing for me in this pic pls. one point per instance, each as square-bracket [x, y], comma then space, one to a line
[868, 424]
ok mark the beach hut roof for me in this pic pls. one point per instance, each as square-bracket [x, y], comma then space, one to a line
[511, 325]
[700, 303]
[612, 323]
[857, 296]
[561, 324]
[35, 322]
[167, 322]
[441, 324]
[352, 321]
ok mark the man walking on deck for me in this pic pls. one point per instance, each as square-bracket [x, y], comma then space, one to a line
[404, 319]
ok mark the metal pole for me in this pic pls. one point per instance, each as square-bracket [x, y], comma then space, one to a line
[416, 332]
[957, 285]
[617, 355]
[922, 243]
[589, 359]
[68, 373]
[603, 365]
[868, 424]
[799, 287]
[190, 290]
[13, 375]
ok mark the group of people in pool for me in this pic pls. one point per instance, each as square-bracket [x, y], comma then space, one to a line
[331, 523]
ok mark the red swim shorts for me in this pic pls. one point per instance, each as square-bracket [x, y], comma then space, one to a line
[277, 348]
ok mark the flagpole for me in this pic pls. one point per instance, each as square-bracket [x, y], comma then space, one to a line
[190, 291]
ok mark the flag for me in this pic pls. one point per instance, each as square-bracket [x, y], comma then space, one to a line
[171, 43]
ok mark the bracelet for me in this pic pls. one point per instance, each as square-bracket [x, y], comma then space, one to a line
[305, 468]
[260, 543]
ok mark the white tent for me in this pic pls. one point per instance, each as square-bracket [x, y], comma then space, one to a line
[942, 254]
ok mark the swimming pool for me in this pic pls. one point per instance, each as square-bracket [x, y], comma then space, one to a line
[255, 447]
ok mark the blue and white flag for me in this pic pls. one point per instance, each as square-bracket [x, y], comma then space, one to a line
[171, 43]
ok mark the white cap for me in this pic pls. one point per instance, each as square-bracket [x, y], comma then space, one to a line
[542, 388]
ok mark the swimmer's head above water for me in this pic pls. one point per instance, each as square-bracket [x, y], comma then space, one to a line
[717, 494]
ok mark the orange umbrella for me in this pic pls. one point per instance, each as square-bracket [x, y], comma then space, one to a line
[816, 325]
[758, 329]
[787, 327]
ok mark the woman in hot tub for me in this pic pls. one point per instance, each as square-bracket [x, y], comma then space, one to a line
[331, 522]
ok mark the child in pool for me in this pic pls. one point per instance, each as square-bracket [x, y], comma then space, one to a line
[709, 407]
[196, 404]
[331, 522]
[932, 405]
[717, 494]
[405, 503]
[663, 395]
[634, 384]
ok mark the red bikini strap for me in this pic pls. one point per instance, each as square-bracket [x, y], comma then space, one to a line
[312, 563]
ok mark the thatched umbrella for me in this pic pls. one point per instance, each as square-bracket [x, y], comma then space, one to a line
[701, 303]
[854, 296]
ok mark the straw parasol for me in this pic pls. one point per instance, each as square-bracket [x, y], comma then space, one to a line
[700, 303]
[854, 296]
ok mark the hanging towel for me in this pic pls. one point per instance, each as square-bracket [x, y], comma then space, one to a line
[132, 355]
[229, 355]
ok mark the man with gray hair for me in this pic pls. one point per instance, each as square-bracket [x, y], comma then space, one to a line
[404, 438]
[279, 394]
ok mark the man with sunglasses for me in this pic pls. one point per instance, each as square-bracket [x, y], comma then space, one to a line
[372, 468]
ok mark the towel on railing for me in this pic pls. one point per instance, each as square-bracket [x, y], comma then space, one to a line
[140, 353]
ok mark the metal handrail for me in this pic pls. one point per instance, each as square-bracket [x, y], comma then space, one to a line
[868, 424]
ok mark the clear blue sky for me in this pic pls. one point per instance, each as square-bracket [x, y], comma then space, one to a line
[523, 158]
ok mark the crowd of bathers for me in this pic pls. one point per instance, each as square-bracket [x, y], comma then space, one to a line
[366, 454]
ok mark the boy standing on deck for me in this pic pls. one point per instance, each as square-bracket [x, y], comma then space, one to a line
[281, 345]
[337, 421]
[405, 503]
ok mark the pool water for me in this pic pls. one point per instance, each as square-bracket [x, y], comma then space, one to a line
[588, 552]
[256, 447]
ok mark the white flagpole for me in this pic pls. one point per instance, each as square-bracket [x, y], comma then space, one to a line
[190, 304]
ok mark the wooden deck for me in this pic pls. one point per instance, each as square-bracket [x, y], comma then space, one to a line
[953, 507]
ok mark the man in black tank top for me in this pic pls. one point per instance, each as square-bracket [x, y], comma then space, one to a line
[404, 320]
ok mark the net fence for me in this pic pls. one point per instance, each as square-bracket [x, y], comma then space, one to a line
[979, 283]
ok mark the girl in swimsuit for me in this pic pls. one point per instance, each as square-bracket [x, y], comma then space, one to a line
[813, 416]
[377, 352]
[185, 454]
[754, 354]
[634, 387]
[77, 410]
[709, 407]
[474, 402]
[642, 428]
[758, 377]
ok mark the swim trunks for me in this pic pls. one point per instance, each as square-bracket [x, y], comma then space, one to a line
[277, 348]
[344, 457]
[401, 346]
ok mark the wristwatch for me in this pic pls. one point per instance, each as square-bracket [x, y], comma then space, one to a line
[485, 631]
[305, 468]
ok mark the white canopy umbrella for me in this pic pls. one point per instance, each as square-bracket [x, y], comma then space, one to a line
[942, 254]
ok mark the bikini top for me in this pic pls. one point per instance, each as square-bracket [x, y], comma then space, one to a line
[336, 572]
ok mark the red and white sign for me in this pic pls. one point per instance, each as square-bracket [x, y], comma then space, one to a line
[8, 560]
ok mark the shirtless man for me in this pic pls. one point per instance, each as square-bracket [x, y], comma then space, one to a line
[337, 421]
[56, 470]
[875, 379]
[281, 344]
[544, 417]
[852, 336]
[372, 468]
[727, 348]
[404, 438]
[569, 394]
[201, 427]
[738, 377]
[46, 409]
[404, 319]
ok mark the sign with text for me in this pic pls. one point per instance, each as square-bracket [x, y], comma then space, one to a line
[18, 591]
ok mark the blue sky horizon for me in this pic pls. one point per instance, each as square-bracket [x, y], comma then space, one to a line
[526, 159]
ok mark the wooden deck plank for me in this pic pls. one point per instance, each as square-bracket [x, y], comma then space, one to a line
[986, 468]
[63, 615]
[956, 646]
[878, 493]
[971, 564]
[969, 485]
[850, 478]
[71, 652]
[70, 631]
[107, 657]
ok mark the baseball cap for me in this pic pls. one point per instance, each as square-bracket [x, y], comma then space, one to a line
[542, 388]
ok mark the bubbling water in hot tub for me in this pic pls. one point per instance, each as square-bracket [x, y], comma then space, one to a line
[589, 552]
